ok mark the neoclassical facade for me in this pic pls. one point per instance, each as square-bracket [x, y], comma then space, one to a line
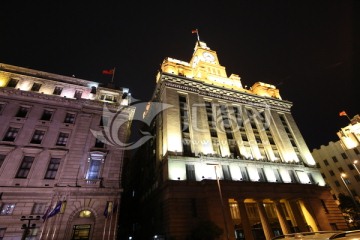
[227, 153]
[55, 152]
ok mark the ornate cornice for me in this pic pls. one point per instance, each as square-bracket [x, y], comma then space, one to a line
[229, 95]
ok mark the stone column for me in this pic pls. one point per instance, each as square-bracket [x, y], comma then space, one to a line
[300, 221]
[245, 220]
[282, 218]
[264, 220]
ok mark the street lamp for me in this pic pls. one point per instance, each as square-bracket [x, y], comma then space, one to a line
[221, 198]
[28, 226]
[342, 175]
[354, 164]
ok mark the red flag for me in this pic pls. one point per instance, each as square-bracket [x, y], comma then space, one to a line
[343, 113]
[108, 72]
[194, 31]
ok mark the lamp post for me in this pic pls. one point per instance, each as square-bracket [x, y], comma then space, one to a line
[354, 164]
[342, 175]
[28, 226]
[221, 199]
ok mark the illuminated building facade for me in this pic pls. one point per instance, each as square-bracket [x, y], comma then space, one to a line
[339, 162]
[52, 153]
[334, 161]
[212, 126]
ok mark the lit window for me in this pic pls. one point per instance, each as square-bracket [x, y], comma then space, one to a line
[11, 134]
[12, 83]
[36, 87]
[62, 139]
[37, 137]
[85, 214]
[95, 161]
[234, 209]
[22, 112]
[47, 114]
[57, 90]
[25, 167]
[69, 118]
[7, 208]
[81, 231]
[52, 168]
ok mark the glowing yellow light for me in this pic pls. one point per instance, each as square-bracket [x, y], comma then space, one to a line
[85, 214]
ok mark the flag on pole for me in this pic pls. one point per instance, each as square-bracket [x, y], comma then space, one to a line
[342, 113]
[52, 212]
[197, 34]
[108, 209]
[108, 71]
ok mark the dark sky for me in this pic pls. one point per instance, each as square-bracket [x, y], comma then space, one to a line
[308, 49]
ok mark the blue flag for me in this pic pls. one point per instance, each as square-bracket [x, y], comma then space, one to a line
[50, 213]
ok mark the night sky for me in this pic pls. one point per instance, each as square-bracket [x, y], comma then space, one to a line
[308, 49]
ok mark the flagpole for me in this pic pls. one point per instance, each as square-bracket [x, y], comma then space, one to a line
[45, 220]
[197, 34]
[116, 217]
[112, 79]
[107, 206]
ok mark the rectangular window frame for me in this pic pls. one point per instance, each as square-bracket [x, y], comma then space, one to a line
[39, 208]
[25, 167]
[11, 134]
[70, 118]
[22, 112]
[37, 136]
[2, 159]
[36, 87]
[47, 115]
[12, 83]
[62, 139]
[58, 90]
[53, 168]
[7, 209]
[95, 165]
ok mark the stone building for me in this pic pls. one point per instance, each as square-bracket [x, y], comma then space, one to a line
[55, 168]
[225, 153]
[339, 162]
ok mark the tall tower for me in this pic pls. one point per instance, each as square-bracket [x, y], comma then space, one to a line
[227, 154]
[56, 167]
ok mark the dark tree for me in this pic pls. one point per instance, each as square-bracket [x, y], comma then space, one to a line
[350, 208]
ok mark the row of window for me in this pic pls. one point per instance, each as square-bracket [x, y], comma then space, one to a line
[95, 161]
[27, 162]
[58, 90]
[37, 137]
[36, 88]
[190, 174]
[47, 114]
